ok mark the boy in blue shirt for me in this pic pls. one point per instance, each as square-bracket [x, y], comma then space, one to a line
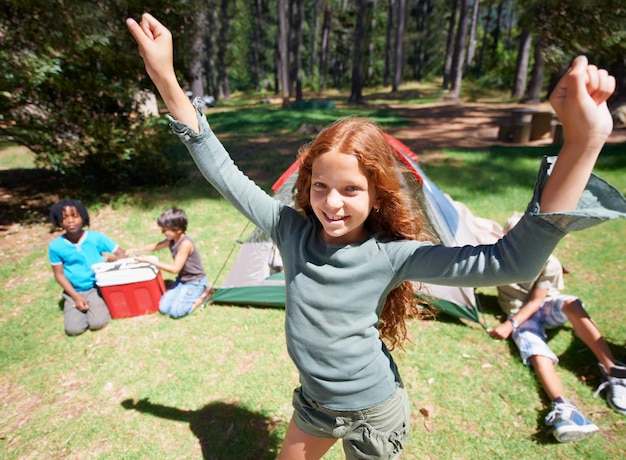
[71, 255]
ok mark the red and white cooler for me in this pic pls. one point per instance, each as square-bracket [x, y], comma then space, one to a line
[129, 288]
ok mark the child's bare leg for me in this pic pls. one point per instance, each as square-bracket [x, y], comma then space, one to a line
[613, 373]
[588, 331]
[546, 373]
[301, 446]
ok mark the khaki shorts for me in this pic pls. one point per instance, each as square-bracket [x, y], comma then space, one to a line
[379, 432]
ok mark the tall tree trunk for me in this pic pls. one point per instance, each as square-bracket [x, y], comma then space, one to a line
[298, 21]
[199, 54]
[371, 62]
[212, 50]
[324, 46]
[485, 40]
[276, 59]
[471, 45]
[447, 65]
[459, 49]
[521, 66]
[497, 31]
[421, 10]
[315, 30]
[224, 24]
[358, 44]
[389, 43]
[291, 45]
[533, 95]
[400, 32]
[256, 71]
[283, 48]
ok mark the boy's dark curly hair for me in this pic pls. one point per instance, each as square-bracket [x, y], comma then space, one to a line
[56, 211]
[174, 218]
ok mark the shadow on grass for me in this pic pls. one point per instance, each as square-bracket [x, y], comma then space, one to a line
[224, 430]
[580, 360]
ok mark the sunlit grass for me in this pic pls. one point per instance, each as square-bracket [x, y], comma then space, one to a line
[15, 157]
[218, 384]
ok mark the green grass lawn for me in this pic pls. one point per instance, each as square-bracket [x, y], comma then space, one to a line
[218, 384]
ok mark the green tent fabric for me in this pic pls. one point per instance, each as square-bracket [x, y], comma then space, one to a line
[451, 308]
[260, 296]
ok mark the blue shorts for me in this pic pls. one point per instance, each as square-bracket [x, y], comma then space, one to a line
[179, 299]
[530, 337]
[379, 432]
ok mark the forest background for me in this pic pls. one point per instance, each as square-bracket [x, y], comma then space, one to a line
[73, 88]
[69, 78]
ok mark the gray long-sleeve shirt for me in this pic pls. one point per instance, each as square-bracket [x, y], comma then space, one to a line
[335, 293]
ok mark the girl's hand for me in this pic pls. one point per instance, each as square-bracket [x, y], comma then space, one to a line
[156, 49]
[579, 100]
[155, 46]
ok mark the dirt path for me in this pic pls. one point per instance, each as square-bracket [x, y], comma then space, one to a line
[469, 125]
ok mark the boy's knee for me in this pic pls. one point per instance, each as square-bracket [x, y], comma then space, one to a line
[165, 304]
[74, 323]
[75, 330]
[97, 325]
[573, 307]
[180, 311]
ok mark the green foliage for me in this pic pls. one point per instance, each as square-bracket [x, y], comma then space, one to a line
[573, 27]
[240, 37]
[500, 74]
[68, 93]
[69, 71]
[147, 155]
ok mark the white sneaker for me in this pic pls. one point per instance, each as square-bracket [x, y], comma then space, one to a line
[615, 385]
[568, 423]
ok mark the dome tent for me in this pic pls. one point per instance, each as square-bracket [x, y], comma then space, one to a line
[256, 277]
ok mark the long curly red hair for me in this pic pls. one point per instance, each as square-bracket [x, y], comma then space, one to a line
[396, 218]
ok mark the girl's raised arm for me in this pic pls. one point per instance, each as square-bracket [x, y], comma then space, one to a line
[155, 47]
[579, 101]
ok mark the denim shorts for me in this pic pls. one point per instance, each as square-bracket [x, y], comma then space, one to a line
[378, 432]
[179, 299]
[531, 337]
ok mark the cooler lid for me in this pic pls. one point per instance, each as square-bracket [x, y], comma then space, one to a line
[124, 271]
